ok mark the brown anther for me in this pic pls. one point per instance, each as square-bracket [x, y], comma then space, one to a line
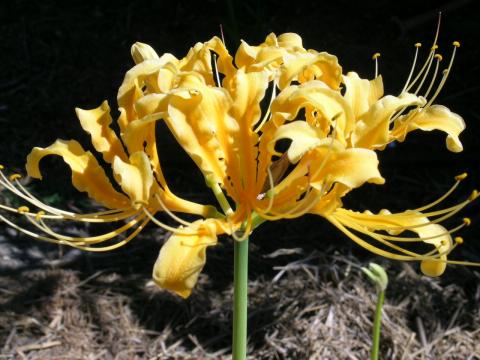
[14, 177]
[461, 176]
[23, 209]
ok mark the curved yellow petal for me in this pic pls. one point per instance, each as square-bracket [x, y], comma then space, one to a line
[372, 130]
[333, 110]
[149, 76]
[247, 91]
[351, 167]
[361, 94]
[141, 52]
[135, 177]
[427, 231]
[198, 118]
[97, 123]
[183, 256]
[87, 174]
[435, 117]
[199, 60]
[311, 66]
[304, 138]
[258, 58]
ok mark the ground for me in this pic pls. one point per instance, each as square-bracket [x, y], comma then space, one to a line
[310, 302]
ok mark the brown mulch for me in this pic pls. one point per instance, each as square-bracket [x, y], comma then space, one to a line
[314, 306]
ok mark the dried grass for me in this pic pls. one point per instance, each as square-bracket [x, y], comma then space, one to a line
[313, 307]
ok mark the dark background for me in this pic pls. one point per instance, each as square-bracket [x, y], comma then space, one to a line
[56, 55]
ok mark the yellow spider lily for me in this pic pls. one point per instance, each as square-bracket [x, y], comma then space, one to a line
[215, 114]
[369, 120]
[144, 190]
[230, 114]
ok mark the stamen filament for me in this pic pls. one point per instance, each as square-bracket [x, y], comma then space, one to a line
[412, 69]
[445, 75]
[435, 72]
[168, 227]
[171, 214]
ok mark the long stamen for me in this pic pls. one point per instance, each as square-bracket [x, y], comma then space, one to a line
[395, 256]
[365, 230]
[270, 194]
[114, 246]
[164, 226]
[171, 214]
[17, 211]
[101, 216]
[434, 77]
[375, 58]
[39, 223]
[367, 245]
[427, 71]
[458, 179]
[412, 69]
[429, 58]
[28, 232]
[20, 191]
[446, 72]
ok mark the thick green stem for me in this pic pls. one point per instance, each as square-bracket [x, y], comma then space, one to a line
[376, 325]
[240, 294]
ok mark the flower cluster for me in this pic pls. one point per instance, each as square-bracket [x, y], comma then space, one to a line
[231, 114]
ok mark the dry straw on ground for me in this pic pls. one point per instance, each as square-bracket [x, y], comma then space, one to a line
[314, 306]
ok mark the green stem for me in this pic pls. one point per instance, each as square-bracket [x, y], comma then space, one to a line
[240, 302]
[376, 325]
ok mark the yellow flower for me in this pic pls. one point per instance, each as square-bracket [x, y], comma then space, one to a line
[183, 256]
[231, 114]
[144, 190]
[366, 120]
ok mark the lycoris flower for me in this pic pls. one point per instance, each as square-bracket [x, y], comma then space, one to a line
[231, 115]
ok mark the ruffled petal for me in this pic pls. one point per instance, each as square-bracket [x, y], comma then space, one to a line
[247, 91]
[311, 66]
[304, 137]
[198, 118]
[332, 109]
[435, 117]
[183, 257]
[97, 123]
[372, 130]
[361, 94]
[141, 52]
[351, 167]
[87, 174]
[149, 76]
[135, 177]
